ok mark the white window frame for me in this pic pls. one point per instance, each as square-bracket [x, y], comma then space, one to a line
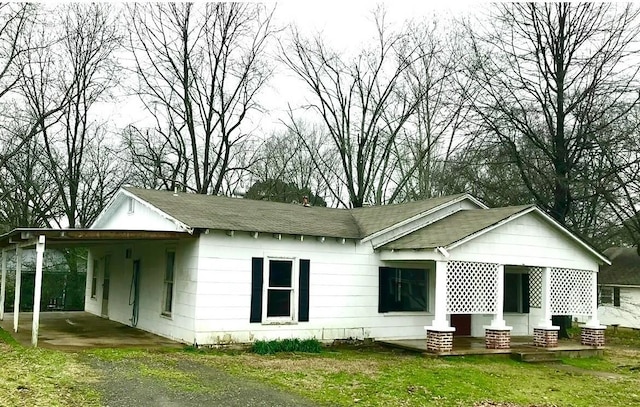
[165, 282]
[294, 291]
[131, 205]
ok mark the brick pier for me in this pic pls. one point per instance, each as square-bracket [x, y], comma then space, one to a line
[439, 341]
[545, 338]
[497, 338]
[592, 336]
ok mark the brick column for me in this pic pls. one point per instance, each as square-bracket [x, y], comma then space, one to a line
[497, 338]
[439, 341]
[545, 338]
[592, 336]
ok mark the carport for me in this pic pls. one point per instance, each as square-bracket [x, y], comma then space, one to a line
[77, 330]
[65, 324]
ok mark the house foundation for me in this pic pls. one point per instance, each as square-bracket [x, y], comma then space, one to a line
[545, 337]
[592, 336]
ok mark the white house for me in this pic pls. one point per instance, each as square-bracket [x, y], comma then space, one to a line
[619, 288]
[213, 270]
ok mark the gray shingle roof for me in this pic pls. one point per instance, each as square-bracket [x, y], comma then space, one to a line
[624, 268]
[454, 228]
[375, 218]
[216, 212]
[223, 213]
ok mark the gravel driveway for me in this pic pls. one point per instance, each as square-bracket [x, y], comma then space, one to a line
[142, 382]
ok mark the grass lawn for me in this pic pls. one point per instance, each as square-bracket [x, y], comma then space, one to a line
[41, 377]
[344, 376]
[375, 377]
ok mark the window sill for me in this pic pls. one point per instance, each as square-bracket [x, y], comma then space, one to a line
[166, 315]
[406, 313]
[280, 323]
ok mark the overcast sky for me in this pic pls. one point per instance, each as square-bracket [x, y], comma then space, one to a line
[346, 25]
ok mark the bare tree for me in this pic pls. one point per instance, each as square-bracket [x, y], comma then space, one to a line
[74, 142]
[364, 105]
[200, 69]
[554, 78]
[439, 84]
[286, 160]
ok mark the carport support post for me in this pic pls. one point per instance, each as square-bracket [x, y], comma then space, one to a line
[16, 301]
[37, 290]
[4, 284]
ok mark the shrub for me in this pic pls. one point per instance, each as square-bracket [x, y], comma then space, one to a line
[287, 345]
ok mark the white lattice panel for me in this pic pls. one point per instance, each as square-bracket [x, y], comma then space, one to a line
[471, 287]
[535, 287]
[571, 291]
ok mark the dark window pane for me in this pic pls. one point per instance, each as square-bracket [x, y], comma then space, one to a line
[403, 290]
[278, 303]
[279, 273]
[616, 296]
[168, 274]
[168, 298]
[512, 298]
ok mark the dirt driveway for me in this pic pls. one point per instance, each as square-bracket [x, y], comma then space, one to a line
[177, 380]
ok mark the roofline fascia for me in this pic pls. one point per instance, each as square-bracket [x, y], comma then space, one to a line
[548, 218]
[421, 215]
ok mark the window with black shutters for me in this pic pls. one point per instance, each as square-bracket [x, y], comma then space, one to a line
[402, 289]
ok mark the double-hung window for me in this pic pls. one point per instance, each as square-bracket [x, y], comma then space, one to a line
[279, 289]
[169, 275]
[94, 279]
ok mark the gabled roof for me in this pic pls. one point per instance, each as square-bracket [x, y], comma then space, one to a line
[624, 268]
[455, 228]
[372, 219]
[214, 212]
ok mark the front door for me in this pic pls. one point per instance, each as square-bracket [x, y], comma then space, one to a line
[462, 323]
[105, 288]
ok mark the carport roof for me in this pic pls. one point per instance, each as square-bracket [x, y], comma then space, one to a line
[83, 237]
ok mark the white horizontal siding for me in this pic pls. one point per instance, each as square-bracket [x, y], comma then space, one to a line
[343, 300]
[180, 326]
[627, 314]
[527, 240]
[118, 216]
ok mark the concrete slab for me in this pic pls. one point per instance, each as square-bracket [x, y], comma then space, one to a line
[78, 330]
[466, 346]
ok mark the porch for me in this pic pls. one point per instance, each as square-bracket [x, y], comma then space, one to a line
[522, 348]
[77, 330]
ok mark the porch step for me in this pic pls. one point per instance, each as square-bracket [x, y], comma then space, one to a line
[535, 357]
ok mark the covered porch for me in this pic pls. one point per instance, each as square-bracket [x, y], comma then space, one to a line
[500, 273]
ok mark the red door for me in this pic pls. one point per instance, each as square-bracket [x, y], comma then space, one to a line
[462, 323]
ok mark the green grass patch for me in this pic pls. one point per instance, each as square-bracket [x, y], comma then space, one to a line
[42, 377]
[375, 377]
[287, 345]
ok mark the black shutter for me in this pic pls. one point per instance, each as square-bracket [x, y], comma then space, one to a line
[616, 296]
[384, 296]
[303, 298]
[257, 264]
[525, 293]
